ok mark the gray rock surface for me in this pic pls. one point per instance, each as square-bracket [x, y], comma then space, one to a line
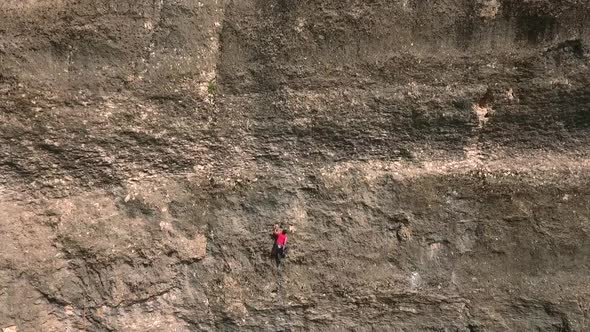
[430, 158]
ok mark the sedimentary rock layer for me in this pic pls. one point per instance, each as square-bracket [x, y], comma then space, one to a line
[430, 158]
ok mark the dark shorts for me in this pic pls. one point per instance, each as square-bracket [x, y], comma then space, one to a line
[279, 250]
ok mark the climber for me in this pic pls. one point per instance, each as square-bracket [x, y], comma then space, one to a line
[279, 249]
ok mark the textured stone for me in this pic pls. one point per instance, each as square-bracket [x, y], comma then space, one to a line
[430, 159]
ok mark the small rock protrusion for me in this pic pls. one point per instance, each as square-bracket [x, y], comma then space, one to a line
[404, 233]
[510, 94]
[488, 9]
[483, 114]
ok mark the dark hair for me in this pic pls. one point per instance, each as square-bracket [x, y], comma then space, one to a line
[284, 231]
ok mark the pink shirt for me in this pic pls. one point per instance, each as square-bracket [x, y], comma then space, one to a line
[281, 239]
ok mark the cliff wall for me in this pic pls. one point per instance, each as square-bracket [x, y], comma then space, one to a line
[429, 157]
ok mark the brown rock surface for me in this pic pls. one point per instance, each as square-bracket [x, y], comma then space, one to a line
[430, 157]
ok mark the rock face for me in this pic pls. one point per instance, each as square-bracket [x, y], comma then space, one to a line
[430, 157]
